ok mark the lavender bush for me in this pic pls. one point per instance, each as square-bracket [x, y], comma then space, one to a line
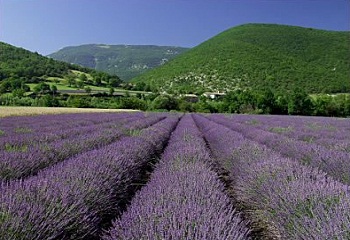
[286, 199]
[77, 172]
[72, 199]
[184, 198]
[20, 162]
[332, 133]
[335, 163]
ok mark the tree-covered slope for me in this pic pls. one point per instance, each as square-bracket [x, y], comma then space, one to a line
[19, 67]
[20, 63]
[126, 61]
[256, 56]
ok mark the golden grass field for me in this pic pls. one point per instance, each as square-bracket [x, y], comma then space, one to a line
[22, 111]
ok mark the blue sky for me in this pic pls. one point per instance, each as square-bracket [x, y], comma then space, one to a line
[45, 26]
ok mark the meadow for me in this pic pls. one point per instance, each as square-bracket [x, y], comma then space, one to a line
[137, 175]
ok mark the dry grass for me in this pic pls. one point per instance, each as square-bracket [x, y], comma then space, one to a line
[22, 111]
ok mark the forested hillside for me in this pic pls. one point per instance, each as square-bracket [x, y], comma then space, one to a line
[18, 62]
[19, 67]
[255, 56]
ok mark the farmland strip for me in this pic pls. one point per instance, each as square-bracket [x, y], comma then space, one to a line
[26, 134]
[49, 123]
[284, 199]
[335, 163]
[184, 198]
[20, 163]
[332, 133]
[333, 128]
[71, 199]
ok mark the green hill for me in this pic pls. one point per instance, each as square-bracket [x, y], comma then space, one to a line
[126, 61]
[21, 63]
[20, 69]
[257, 56]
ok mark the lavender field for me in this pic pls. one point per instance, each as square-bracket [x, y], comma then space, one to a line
[174, 176]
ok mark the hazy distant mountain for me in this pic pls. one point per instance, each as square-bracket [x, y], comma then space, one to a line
[256, 56]
[126, 61]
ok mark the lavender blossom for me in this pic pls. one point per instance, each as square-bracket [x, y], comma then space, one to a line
[184, 198]
[72, 199]
[286, 199]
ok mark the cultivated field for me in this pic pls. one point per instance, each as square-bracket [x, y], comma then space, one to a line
[172, 176]
[21, 111]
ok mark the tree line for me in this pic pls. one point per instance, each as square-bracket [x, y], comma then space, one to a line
[295, 102]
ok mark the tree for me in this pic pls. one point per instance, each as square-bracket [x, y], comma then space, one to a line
[78, 101]
[88, 89]
[113, 82]
[26, 88]
[132, 103]
[202, 106]
[16, 83]
[48, 101]
[281, 106]
[148, 88]
[231, 102]
[70, 80]
[5, 86]
[299, 103]
[165, 102]
[80, 84]
[343, 104]
[111, 91]
[185, 106]
[83, 78]
[2, 76]
[42, 88]
[97, 80]
[54, 90]
[19, 92]
[139, 86]
[321, 104]
[266, 101]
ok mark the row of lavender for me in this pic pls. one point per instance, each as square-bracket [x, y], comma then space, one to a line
[335, 163]
[332, 133]
[25, 155]
[184, 198]
[76, 197]
[24, 125]
[45, 128]
[280, 196]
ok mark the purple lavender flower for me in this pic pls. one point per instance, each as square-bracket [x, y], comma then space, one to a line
[71, 199]
[184, 198]
[285, 199]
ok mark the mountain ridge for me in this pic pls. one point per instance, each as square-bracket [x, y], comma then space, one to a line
[124, 60]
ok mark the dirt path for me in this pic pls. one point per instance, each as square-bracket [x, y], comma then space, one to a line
[19, 111]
